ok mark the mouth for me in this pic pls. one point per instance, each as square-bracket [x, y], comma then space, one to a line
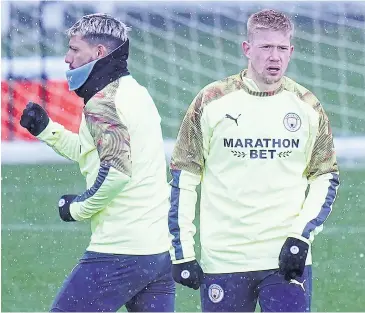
[273, 69]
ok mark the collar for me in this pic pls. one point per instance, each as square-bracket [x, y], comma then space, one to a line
[92, 77]
[250, 86]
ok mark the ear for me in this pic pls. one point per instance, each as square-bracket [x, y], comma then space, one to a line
[101, 51]
[291, 50]
[246, 47]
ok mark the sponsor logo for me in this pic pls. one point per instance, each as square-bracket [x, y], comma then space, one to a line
[293, 281]
[261, 148]
[232, 118]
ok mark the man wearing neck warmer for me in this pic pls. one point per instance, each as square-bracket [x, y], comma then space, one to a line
[120, 151]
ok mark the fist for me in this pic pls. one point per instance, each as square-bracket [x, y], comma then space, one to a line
[292, 258]
[34, 118]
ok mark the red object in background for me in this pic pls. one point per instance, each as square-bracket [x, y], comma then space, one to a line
[62, 105]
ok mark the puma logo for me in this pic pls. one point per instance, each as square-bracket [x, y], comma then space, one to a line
[232, 118]
[293, 281]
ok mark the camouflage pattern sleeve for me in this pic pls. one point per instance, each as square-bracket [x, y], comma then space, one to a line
[188, 151]
[111, 138]
[187, 166]
[323, 158]
[112, 141]
[323, 177]
[188, 154]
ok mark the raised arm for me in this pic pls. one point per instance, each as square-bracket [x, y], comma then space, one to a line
[66, 143]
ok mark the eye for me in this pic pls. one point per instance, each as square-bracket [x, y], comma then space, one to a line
[283, 48]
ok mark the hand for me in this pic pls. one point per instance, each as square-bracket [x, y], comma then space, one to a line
[34, 118]
[64, 207]
[292, 258]
[188, 274]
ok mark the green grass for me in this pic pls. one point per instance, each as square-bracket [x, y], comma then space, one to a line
[35, 261]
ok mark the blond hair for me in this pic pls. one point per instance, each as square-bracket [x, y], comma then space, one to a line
[100, 28]
[269, 19]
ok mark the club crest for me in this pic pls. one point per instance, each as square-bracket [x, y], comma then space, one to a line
[292, 122]
[216, 293]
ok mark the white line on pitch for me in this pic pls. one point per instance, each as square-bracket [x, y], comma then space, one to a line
[43, 228]
[343, 230]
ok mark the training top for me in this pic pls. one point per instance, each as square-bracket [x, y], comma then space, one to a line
[120, 151]
[254, 154]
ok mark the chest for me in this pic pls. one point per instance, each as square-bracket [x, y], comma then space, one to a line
[259, 128]
[87, 142]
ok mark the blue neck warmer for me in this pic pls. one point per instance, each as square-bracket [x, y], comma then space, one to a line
[92, 77]
[78, 76]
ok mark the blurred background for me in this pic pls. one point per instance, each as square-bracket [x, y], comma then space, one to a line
[177, 47]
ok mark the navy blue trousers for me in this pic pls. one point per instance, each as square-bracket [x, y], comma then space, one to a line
[103, 282]
[240, 292]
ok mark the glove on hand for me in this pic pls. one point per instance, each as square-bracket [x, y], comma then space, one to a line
[34, 118]
[292, 258]
[188, 274]
[64, 207]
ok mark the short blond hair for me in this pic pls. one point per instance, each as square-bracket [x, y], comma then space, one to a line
[269, 19]
[100, 27]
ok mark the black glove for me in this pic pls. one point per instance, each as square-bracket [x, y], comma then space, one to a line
[188, 274]
[292, 258]
[34, 118]
[64, 207]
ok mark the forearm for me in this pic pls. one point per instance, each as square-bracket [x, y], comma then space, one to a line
[317, 206]
[109, 183]
[61, 140]
[182, 215]
[187, 164]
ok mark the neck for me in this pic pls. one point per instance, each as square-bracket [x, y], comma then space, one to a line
[105, 70]
[260, 84]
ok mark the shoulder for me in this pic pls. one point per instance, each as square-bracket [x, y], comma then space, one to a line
[130, 90]
[303, 94]
[129, 85]
[217, 90]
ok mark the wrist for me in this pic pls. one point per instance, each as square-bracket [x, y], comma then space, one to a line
[66, 206]
[46, 133]
[297, 236]
[186, 260]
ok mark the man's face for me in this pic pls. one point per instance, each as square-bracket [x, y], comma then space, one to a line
[269, 52]
[80, 52]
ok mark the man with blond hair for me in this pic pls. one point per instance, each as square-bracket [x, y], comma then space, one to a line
[254, 141]
[120, 152]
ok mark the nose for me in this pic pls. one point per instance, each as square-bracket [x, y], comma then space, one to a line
[68, 59]
[274, 56]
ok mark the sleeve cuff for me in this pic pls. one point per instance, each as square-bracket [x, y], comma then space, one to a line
[293, 235]
[47, 132]
[65, 207]
[74, 210]
[183, 260]
[65, 214]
